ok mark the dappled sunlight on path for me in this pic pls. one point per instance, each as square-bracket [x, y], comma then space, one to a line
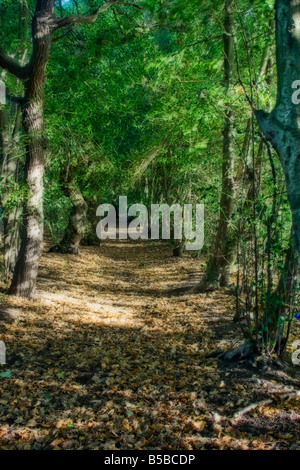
[105, 358]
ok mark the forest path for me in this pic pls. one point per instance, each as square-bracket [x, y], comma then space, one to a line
[105, 358]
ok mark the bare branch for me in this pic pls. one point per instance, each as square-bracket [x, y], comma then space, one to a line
[88, 18]
[12, 66]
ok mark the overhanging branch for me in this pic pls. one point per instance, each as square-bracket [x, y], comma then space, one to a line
[12, 66]
[88, 18]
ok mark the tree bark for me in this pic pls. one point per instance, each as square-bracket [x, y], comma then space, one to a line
[218, 270]
[285, 293]
[219, 267]
[282, 125]
[10, 138]
[44, 24]
[77, 223]
[26, 269]
[9, 173]
[90, 236]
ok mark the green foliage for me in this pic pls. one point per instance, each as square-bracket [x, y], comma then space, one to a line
[135, 105]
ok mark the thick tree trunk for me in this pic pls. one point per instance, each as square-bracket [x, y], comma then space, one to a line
[25, 273]
[44, 24]
[282, 126]
[26, 269]
[77, 223]
[218, 270]
[90, 236]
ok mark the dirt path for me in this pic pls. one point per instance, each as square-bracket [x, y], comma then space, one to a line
[105, 358]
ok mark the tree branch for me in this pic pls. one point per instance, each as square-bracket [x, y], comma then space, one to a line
[12, 66]
[62, 36]
[133, 5]
[88, 18]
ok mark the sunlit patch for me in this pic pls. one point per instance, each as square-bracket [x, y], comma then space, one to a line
[105, 358]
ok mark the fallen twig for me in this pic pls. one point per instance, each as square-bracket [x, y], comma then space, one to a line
[267, 401]
[251, 407]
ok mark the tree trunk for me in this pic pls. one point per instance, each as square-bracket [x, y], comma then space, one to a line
[9, 170]
[11, 241]
[44, 24]
[219, 267]
[218, 270]
[77, 223]
[3, 156]
[9, 173]
[25, 274]
[10, 138]
[282, 125]
[90, 236]
[26, 269]
[285, 294]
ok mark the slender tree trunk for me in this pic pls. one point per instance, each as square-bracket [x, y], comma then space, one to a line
[4, 136]
[10, 136]
[218, 270]
[9, 172]
[285, 297]
[11, 241]
[12, 211]
[3, 156]
[219, 267]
